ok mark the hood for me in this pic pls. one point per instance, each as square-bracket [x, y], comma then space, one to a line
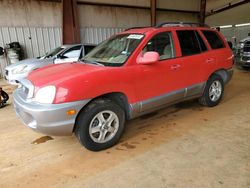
[57, 73]
[29, 62]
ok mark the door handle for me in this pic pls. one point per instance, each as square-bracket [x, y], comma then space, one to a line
[175, 67]
[210, 60]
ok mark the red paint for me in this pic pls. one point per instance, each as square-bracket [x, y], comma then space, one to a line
[138, 82]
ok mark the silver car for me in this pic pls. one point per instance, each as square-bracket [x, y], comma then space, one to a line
[62, 54]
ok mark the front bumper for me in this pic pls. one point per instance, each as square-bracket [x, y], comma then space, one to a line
[245, 61]
[49, 119]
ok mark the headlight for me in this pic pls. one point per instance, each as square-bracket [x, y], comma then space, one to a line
[46, 95]
[20, 70]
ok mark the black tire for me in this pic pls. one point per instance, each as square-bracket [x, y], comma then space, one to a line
[205, 99]
[88, 114]
[245, 68]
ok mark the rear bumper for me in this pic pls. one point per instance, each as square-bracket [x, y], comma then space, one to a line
[49, 119]
[229, 74]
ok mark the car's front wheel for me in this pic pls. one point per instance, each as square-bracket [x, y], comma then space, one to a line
[100, 125]
[213, 91]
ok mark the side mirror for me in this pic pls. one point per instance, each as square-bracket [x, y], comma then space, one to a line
[148, 58]
[1, 51]
[60, 56]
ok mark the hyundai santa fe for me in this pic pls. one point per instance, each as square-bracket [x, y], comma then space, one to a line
[130, 74]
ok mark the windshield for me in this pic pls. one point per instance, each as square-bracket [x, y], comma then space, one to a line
[52, 53]
[114, 51]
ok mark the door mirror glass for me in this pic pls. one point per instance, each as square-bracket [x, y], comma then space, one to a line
[148, 58]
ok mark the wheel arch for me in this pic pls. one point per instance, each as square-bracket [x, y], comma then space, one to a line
[222, 73]
[118, 97]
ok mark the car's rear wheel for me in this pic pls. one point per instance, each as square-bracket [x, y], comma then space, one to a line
[213, 92]
[100, 125]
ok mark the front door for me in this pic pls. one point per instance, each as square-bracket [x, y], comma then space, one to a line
[160, 83]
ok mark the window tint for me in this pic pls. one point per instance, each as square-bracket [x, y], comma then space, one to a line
[201, 42]
[213, 39]
[188, 42]
[161, 43]
[87, 49]
[72, 52]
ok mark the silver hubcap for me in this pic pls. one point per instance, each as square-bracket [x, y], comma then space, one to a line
[104, 126]
[215, 91]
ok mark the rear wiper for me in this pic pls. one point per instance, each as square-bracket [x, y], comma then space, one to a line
[93, 62]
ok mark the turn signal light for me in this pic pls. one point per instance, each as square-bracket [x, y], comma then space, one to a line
[71, 112]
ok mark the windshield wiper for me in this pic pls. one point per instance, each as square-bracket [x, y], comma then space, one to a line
[93, 62]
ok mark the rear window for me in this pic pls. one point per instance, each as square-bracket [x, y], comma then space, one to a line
[213, 39]
[188, 42]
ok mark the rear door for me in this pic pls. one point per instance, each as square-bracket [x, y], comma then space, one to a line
[195, 57]
[220, 55]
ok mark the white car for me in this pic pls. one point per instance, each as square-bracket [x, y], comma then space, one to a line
[62, 54]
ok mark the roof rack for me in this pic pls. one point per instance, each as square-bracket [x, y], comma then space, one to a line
[136, 28]
[181, 24]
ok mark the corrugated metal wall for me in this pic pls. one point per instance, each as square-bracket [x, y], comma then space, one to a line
[34, 40]
[238, 32]
[97, 34]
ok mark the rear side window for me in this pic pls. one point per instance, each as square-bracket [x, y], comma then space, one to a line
[213, 39]
[201, 42]
[188, 42]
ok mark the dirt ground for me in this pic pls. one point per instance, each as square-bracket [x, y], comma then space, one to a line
[185, 145]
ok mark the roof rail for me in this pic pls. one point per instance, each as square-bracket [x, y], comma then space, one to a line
[136, 28]
[181, 24]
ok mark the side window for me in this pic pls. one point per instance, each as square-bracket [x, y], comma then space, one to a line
[72, 52]
[163, 44]
[88, 48]
[188, 42]
[213, 39]
[201, 42]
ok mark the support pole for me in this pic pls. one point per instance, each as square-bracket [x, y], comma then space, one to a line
[71, 33]
[202, 14]
[153, 12]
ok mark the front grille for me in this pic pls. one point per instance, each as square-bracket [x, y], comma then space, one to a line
[26, 90]
[246, 58]
[246, 47]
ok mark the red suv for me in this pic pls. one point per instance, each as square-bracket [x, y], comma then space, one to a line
[132, 73]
